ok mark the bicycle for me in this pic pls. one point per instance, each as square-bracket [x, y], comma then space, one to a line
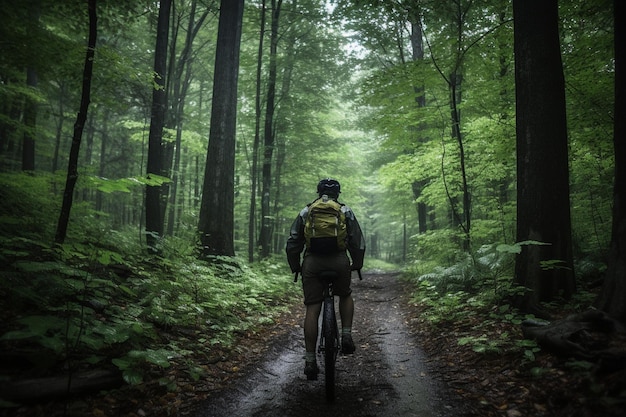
[329, 343]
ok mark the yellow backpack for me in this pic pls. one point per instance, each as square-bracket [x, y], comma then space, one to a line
[325, 229]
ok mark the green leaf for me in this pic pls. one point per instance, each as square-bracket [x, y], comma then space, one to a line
[132, 376]
[516, 248]
[553, 264]
[18, 334]
[529, 354]
[158, 357]
[127, 290]
[122, 363]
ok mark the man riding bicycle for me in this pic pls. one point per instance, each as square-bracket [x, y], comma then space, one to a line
[325, 252]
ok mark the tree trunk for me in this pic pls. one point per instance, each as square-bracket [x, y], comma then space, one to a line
[72, 167]
[543, 210]
[216, 221]
[417, 187]
[256, 144]
[269, 137]
[463, 219]
[280, 145]
[590, 335]
[154, 216]
[55, 387]
[612, 298]
[417, 45]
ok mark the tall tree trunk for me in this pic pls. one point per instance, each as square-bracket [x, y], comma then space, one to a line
[154, 216]
[72, 166]
[612, 298]
[464, 219]
[543, 210]
[269, 136]
[417, 46]
[505, 61]
[216, 221]
[257, 140]
[278, 239]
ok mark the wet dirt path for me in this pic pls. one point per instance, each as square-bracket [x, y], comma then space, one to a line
[388, 374]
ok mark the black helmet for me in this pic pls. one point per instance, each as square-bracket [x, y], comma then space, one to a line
[329, 187]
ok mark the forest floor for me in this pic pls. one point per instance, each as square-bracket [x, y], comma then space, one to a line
[461, 380]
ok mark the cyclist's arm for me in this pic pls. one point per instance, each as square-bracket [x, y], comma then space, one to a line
[356, 241]
[295, 243]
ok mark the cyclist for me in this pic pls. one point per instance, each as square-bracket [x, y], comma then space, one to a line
[314, 262]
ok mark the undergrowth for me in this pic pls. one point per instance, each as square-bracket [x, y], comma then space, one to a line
[74, 306]
[101, 301]
[475, 292]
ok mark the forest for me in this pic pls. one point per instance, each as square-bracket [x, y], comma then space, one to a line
[153, 155]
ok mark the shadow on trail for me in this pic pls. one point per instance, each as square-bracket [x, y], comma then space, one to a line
[386, 376]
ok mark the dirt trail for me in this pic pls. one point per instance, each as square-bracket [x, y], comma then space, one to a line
[388, 375]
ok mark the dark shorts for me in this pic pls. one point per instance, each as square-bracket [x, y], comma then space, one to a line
[312, 265]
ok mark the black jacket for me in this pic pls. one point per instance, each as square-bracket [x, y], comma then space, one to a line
[296, 241]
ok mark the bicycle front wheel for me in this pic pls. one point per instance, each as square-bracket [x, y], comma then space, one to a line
[331, 346]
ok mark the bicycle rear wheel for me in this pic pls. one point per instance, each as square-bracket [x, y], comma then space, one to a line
[331, 346]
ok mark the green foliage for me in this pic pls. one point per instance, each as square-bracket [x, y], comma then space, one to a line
[126, 185]
[83, 303]
[26, 202]
[484, 344]
[134, 360]
[475, 291]
[489, 267]
[485, 319]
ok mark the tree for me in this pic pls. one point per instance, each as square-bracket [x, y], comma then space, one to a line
[417, 45]
[154, 214]
[269, 137]
[612, 298]
[216, 221]
[257, 138]
[543, 210]
[72, 166]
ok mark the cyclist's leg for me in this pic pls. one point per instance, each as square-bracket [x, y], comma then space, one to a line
[310, 326]
[343, 289]
[313, 294]
[346, 311]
